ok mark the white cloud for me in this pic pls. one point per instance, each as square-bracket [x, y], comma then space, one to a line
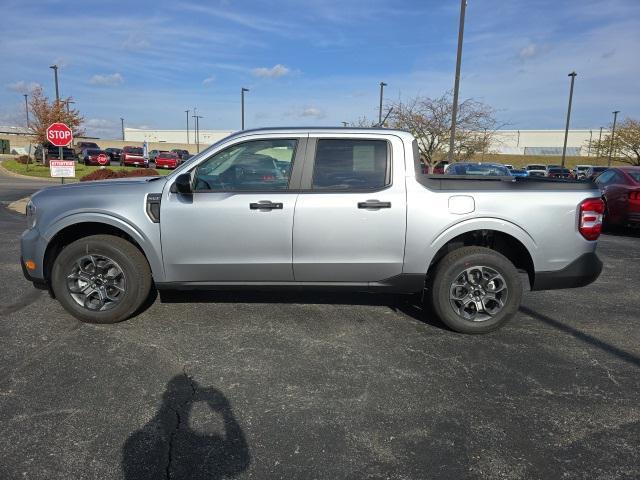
[23, 87]
[107, 80]
[276, 71]
[529, 51]
[312, 112]
[136, 41]
[209, 80]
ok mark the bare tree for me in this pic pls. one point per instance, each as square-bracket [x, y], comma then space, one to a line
[45, 112]
[626, 144]
[429, 120]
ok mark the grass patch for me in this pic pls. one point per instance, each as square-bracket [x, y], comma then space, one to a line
[39, 170]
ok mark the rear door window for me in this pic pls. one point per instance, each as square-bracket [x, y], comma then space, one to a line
[349, 164]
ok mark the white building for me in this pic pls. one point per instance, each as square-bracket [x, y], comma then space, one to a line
[207, 137]
[545, 142]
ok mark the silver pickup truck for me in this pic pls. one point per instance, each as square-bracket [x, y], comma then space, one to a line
[315, 208]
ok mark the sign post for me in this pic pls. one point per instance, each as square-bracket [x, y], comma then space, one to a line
[60, 135]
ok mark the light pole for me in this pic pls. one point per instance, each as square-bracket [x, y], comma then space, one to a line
[196, 119]
[613, 134]
[26, 107]
[566, 128]
[242, 90]
[122, 127]
[456, 85]
[187, 112]
[382, 85]
[599, 140]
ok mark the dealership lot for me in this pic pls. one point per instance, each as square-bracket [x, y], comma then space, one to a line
[320, 386]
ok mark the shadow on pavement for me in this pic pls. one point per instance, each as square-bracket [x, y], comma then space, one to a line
[585, 337]
[167, 446]
[410, 305]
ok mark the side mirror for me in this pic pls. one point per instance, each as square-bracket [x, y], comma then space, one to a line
[182, 184]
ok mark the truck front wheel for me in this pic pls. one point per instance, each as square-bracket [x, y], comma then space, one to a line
[475, 290]
[101, 279]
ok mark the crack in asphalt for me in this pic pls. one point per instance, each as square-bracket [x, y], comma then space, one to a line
[181, 407]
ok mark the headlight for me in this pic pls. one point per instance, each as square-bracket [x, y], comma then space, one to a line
[30, 212]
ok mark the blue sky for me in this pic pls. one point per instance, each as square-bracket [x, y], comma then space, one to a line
[318, 62]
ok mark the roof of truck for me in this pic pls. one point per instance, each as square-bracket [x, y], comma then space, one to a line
[392, 131]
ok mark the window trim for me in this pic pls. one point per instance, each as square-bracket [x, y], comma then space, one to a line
[297, 162]
[306, 185]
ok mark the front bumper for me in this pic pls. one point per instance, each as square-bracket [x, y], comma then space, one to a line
[33, 247]
[579, 273]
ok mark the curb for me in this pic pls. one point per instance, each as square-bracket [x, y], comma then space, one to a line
[9, 173]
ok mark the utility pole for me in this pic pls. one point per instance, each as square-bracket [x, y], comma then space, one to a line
[187, 112]
[55, 72]
[122, 127]
[242, 90]
[456, 86]
[613, 133]
[566, 129]
[382, 85]
[590, 142]
[67, 103]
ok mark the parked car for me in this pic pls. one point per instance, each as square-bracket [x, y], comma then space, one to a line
[92, 156]
[154, 153]
[114, 153]
[440, 167]
[339, 217]
[509, 166]
[53, 153]
[593, 172]
[485, 169]
[519, 172]
[80, 146]
[536, 170]
[183, 154]
[580, 171]
[133, 156]
[559, 172]
[620, 187]
[167, 160]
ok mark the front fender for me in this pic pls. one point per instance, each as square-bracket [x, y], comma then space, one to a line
[153, 254]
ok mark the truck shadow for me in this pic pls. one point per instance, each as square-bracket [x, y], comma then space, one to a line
[167, 446]
[410, 305]
[585, 337]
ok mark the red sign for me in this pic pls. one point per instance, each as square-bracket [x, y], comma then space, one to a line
[59, 134]
[103, 159]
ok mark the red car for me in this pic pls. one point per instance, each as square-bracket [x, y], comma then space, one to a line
[620, 189]
[440, 167]
[133, 156]
[167, 160]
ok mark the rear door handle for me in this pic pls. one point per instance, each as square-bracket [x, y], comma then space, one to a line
[374, 204]
[265, 205]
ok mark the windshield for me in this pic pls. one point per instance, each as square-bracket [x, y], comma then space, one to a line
[536, 167]
[133, 150]
[558, 170]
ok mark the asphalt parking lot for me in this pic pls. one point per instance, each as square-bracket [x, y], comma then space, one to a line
[223, 385]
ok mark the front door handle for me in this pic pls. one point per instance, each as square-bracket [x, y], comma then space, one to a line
[374, 204]
[265, 205]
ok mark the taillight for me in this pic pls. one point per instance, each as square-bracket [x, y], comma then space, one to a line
[591, 211]
[634, 198]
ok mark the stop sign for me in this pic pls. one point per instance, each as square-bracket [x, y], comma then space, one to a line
[59, 134]
[103, 159]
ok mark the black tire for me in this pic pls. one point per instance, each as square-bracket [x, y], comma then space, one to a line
[452, 266]
[132, 263]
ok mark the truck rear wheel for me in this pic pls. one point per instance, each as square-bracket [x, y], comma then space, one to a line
[101, 279]
[475, 290]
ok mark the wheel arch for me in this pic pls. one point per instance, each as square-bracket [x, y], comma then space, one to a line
[75, 227]
[505, 238]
